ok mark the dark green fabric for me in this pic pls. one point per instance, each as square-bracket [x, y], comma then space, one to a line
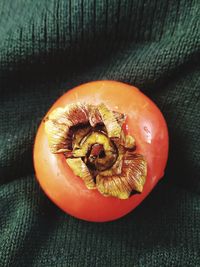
[47, 47]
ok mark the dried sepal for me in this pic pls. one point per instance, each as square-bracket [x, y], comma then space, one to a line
[132, 177]
[114, 186]
[80, 169]
[77, 113]
[112, 126]
[58, 124]
[57, 128]
[135, 167]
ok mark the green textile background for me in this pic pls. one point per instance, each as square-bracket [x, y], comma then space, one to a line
[48, 47]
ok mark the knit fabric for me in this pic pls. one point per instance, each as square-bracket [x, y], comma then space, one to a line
[48, 47]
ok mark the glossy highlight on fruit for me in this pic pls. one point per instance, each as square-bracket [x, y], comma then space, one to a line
[144, 126]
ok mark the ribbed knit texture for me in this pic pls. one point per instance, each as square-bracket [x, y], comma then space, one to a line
[48, 47]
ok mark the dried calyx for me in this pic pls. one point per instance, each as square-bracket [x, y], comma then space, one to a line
[97, 149]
